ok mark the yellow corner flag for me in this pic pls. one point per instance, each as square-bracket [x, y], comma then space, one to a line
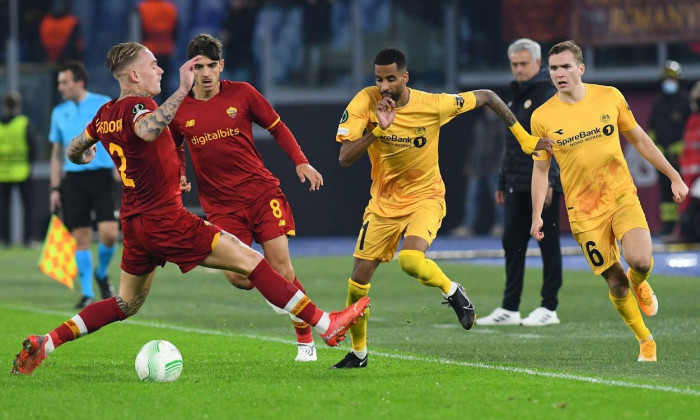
[58, 254]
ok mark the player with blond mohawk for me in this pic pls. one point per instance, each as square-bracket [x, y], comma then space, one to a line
[156, 227]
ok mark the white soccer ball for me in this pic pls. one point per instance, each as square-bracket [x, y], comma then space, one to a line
[158, 361]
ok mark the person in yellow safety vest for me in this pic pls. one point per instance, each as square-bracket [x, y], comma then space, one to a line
[17, 151]
[669, 113]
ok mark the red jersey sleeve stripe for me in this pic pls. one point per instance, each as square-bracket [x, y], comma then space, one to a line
[273, 124]
[87, 133]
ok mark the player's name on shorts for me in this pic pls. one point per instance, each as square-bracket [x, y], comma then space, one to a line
[218, 134]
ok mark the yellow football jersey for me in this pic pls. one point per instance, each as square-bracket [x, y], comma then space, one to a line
[404, 161]
[594, 173]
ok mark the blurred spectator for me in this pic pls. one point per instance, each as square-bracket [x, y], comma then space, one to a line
[317, 33]
[237, 30]
[17, 152]
[481, 215]
[60, 34]
[668, 116]
[690, 169]
[279, 37]
[159, 21]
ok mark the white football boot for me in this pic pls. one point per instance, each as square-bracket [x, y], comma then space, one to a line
[500, 316]
[306, 352]
[540, 317]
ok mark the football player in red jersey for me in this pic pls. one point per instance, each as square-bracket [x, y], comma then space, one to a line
[156, 227]
[237, 192]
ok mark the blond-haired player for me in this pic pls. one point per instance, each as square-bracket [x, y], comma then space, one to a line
[585, 122]
[399, 129]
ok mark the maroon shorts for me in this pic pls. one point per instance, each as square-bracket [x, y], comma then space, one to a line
[178, 237]
[266, 219]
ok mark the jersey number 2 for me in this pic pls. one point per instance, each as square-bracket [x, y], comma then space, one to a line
[128, 182]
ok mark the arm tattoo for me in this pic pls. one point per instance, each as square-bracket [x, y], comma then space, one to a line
[78, 146]
[490, 99]
[150, 127]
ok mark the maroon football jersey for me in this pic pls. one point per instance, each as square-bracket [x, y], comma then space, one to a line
[219, 134]
[150, 171]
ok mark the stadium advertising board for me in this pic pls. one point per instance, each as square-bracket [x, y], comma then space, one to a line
[602, 22]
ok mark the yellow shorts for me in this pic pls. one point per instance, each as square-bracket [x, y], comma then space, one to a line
[380, 236]
[598, 236]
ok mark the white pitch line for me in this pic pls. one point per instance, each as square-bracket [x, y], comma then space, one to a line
[526, 371]
[534, 372]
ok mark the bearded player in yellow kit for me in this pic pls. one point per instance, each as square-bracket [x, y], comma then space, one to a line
[399, 129]
[585, 122]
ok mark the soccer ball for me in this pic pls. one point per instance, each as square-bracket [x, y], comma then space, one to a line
[158, 361]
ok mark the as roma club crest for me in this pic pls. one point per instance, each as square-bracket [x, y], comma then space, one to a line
[231, 112]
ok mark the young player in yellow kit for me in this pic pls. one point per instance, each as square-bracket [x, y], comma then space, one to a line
[585, 122]
[399, 128]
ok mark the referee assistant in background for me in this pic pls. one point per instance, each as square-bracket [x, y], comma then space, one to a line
[81, 190]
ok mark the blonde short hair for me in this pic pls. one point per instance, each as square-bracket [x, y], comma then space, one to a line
[121, 55]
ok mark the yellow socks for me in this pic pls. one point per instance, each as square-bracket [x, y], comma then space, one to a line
[428, 273]
[358, 332]
[629, 312]
[638, 278]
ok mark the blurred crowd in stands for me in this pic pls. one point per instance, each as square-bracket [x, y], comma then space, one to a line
[312, 44]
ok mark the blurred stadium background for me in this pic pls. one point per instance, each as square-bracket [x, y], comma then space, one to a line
[452, 46]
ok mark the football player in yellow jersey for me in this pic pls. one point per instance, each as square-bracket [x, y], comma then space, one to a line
[585, 122]
[399, 128]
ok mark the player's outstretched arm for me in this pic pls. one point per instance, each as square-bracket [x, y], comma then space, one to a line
[646, 147]
[528, 143]
[540, 184]
[151, 125]
[81, 149]
[306, 171]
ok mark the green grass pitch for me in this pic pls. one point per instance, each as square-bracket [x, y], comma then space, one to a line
[239, 355]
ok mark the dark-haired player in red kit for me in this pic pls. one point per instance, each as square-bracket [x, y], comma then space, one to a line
[155, 225]
[237, 192]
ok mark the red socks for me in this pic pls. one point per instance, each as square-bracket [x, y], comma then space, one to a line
[90, 319]
[284, 294]
[303, 329]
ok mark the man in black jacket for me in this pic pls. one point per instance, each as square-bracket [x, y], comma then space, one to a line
[531, 88]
